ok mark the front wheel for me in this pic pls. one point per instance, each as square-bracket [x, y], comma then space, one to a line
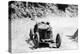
[36, 40]
[58, 41]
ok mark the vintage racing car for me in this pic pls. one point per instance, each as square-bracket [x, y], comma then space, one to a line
[42, 33]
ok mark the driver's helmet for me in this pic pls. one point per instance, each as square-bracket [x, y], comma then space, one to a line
[43, 25]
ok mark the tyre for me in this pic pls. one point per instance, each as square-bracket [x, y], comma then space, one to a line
[58, 41]
[31, 34]
[36, 40]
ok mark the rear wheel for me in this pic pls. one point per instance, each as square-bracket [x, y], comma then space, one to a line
[58, 41]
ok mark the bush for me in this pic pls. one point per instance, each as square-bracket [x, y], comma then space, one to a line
[22, 9]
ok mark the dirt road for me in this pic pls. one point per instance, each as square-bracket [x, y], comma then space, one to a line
[64, 26]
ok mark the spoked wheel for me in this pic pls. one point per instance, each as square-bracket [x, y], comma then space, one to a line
[36, 41]
[58, 41]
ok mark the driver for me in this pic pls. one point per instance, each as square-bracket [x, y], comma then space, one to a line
[43, 25]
